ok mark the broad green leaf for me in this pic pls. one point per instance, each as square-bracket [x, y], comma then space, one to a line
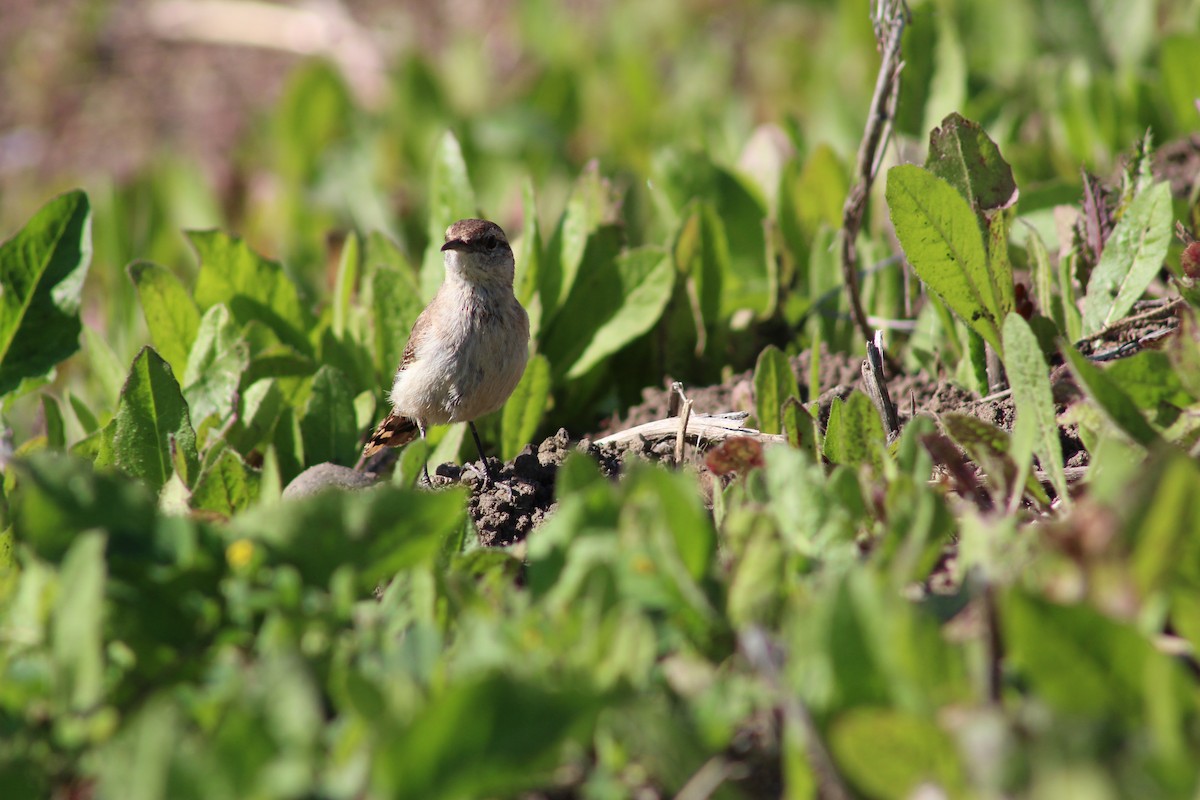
[103, 362]
[592, 206]
[811, 196]
[1030, 380]
[77, 631]
[800, 427]
[151, 424]
[375, 533]
[619, 297]
[517, 730]
[774, 383]
[344, 286]
[1076, 659]
[529, 260]
[226, 486]
[1048, 305]
[854, 433]
[1179, 71]
[1115, 404]
[327, 426]
[962, 154]
[254, 288]
[136, 764]
[42, 269]
[1161, 533]
[887, 753]
[1184, 353]
[315, 113]
[941, 239]
[451, 198]
[171, 314]
[689, 176]
[261, 405]
[524, 409]
[395, 308]
[1132, 257]
[218, 358]
[1150, 380]
[701, 252]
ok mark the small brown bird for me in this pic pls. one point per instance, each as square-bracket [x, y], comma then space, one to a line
[467, 349]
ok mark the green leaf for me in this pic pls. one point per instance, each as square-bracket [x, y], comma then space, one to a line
[327, 427]
[962, 154]
[150, 425]
[592, 206]
[941, 239]
[1132, 257]
[42, 269]
[254, 288]
[617, 299]
[1029, 377]
[1074, 658]
[395, 307]
[529, 261]
[1115, 404]
[887, 753]
[688, 176]
[451, 198]
[374, 533]
[103, 362]
[347, 280]
[56, 437]
[517, 729]
[774, 383]
[77, 628]
[701, 252]
[226, 486]
[1179, 69]
[854, 433]
[218, 358]
[800, 427]
[171, 314]
[524, 409]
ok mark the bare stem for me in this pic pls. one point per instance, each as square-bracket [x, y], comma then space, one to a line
[889, 18]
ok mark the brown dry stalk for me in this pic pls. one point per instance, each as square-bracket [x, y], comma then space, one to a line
[889, 18]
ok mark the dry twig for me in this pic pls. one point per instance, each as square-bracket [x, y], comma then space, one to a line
[889, 18]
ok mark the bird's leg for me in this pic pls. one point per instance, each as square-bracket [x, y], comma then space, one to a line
[425, 456]
[488, 480]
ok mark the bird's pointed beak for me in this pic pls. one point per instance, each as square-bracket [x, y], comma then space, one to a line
[454, 244]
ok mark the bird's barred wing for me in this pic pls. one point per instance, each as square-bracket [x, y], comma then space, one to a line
[392, 432]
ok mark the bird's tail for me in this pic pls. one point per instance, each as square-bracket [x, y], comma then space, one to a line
[394, 431]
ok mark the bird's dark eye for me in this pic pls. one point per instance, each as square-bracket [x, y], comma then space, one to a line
[491, 243]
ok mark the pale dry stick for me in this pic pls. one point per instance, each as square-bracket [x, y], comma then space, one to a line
[685, 413]
[889, 18]
[701, 427]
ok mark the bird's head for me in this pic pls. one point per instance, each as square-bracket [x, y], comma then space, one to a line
[477, 251]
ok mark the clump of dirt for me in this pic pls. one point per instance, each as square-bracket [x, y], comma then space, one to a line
[523, 492]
